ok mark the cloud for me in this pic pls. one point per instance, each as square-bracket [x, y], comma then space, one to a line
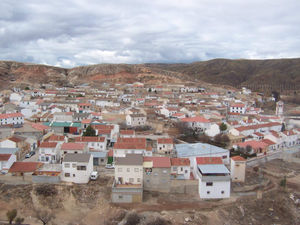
[71, 33]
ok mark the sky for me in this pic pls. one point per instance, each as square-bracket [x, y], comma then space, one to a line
[69, 33]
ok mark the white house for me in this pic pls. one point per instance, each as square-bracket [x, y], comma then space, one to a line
[11, 118]
[15, 97]
[71, 147]
[197, 123]
[129, 146]
[237, 108]
[165, 145]
[94, 143]
[129, 169]
[180, 168]
[49, 152]
[77, 168]
[214, 178]
[136, 120]
[6, 161]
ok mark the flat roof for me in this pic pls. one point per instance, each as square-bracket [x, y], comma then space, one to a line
[73, 157]
[197, 149]
[213, 169]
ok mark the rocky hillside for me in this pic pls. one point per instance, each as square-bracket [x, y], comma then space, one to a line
[283, 73]
[256, 74]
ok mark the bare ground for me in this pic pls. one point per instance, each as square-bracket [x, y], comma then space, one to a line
[90, 204]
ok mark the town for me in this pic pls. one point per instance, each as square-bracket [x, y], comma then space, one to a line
[169, 138]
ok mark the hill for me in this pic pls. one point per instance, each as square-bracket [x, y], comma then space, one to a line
[255, 74]
[279, 73]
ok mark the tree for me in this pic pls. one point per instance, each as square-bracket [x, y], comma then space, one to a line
[282, 127]
[11, 215]
[89, 131]
[44, 216]
[276, 95]
[283, 182]
[248, 149]
[19, 220]
[223, 127]
[27, 88]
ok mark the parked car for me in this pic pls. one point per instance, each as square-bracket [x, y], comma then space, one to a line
[110, 166]
[28, 155]
[94, 175]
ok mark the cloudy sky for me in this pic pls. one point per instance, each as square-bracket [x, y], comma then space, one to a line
[69, 33]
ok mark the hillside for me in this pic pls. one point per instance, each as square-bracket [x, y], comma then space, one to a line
[255, 74]
[284, 73]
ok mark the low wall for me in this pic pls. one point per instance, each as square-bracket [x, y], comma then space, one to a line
[184, 186]
[46, 179]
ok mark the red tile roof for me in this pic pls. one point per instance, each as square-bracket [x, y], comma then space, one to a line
[56, 138]
[4, 157]
[164, 141]
[86, 121]
[198, 119]
[257, 126]
[268, 142]
[159, 162]
[24, 167]
[89, 139]
[253, 144]
[209, 160]
[48, 144]
[10, 115]
[180, 162]
[73, 146]
[240, 105]
[127, 132]
[238, 158]
[39, 126]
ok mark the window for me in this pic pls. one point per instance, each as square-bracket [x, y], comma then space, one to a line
[67, 165]
[81, 167]
[67, 174]
[73, 175]
[119, 169]
[136, 169]
[139, 180]
[209, 183]
[120, 196]
[222, 192]
[208, 192]
[185, 171]
[131, 180]
[224, 157]
[174, 168]
[74, 165]
[128, 169]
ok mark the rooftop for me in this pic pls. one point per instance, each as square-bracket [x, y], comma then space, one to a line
[130, 159]
[213, 169]
[197, 149]
[72, 157]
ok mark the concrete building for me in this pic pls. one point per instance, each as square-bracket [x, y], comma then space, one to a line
[238, 169]
[15, 119]
[77, 168]
[157, 172]
[214, 178]
[192, 151]
[129, 169]
[49, 152]
[180, 168]
[93, 143]
[135, 120]
[165, 145]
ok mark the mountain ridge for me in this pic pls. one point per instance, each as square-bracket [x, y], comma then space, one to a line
[232, 72]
